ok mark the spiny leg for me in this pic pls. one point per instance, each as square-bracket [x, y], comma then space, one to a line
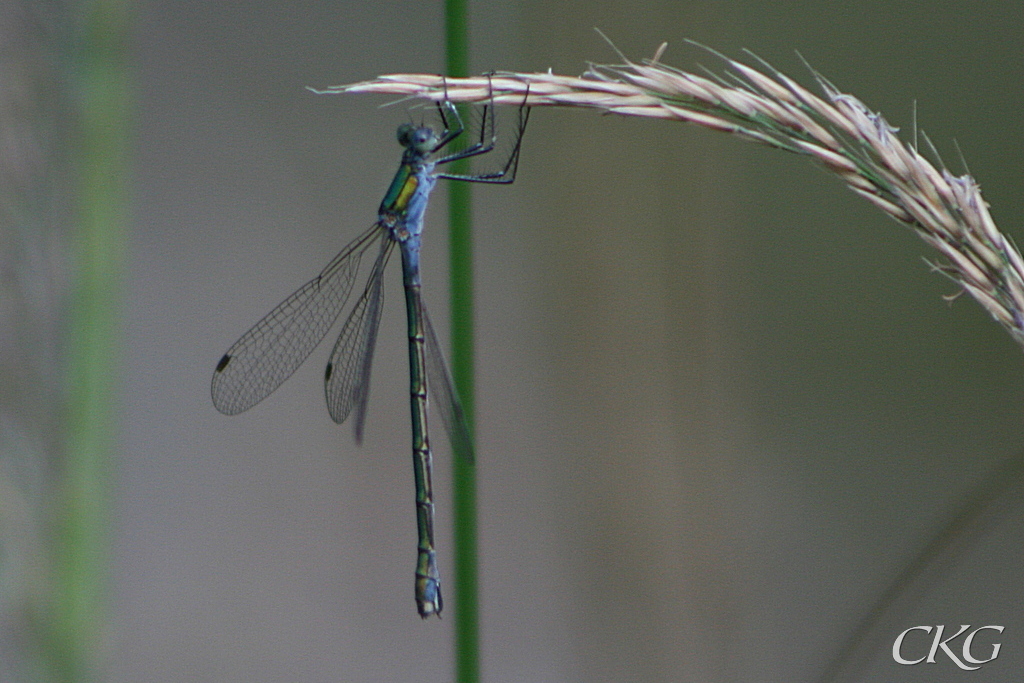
[507, 174]
[479, 147]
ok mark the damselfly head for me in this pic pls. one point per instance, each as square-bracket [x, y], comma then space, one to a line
[420, 139]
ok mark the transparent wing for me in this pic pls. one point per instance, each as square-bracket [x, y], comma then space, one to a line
[347, 379]
[439, 384]
[276, 346]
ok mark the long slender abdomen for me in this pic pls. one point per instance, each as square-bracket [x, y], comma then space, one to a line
[428, 579]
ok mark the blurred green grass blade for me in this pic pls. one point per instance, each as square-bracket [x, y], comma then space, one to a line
[77, 621]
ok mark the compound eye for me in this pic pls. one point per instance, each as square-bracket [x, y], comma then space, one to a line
[405, 132]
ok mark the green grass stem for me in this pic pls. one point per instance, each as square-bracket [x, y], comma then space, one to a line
[466, 600]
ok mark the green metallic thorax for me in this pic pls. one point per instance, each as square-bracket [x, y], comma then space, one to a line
[403, 186]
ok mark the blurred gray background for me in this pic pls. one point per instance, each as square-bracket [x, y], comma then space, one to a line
[721, 401]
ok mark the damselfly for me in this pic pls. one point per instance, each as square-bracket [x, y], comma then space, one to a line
[277, 345]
